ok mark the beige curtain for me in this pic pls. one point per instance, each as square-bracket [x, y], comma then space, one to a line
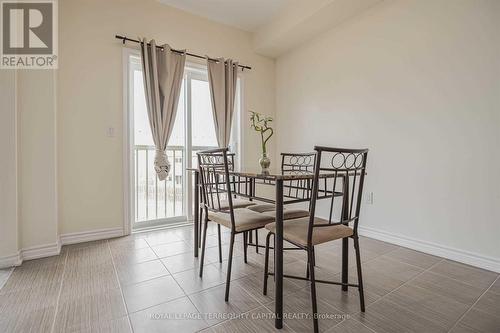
[163, 70]
[222, 78]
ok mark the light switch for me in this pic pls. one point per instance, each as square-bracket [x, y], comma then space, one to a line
[110, 132]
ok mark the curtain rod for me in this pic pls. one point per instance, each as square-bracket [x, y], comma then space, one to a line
[124, 39]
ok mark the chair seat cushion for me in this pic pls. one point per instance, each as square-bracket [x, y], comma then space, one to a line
[262, 208]
[244, 219]
[296, 230]
[288, 214]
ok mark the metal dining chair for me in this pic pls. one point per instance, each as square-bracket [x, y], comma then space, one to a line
[239, 186]
[348, 167]
[217, 189]
[293, 189]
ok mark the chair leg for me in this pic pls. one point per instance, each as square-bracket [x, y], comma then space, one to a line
[229, 265]
[266, 264]
[257, 240]
[310, 255]
[220, 243]
[360, 275]
[245, 246]
[200, 225]
[203, 246]
[313, 257]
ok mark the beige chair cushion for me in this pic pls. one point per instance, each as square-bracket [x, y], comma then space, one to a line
[288, 214]
[244, 219]
[237, 203]
[295, 231]
[261, 208]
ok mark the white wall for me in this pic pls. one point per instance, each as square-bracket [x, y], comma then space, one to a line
[416, 82]
[90, 95]
[37, 172]
[8, 168]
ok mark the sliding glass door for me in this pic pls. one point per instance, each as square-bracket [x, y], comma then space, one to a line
[157, 202]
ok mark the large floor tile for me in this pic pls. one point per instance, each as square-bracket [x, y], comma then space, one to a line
[127, 256]
[4, 276]
[489, 303]
[346, 301]
[191, 283]
[181, 262]
[134, 273]
[382, 275]
[253, 284]
[297, 313]
[152, 292]
[386, 316]
[350, 325]
[80, 313]
[128, 242]
[214, 309]
[465, 273]
[441, 311]
[162, 237]
[446, 287]
[238, 268]
[29, 321]
[256, 321]
[480, 321]
[89, 280]
[29, 276]
[212, 253]
[172, 249]
[412, 257]
[28, 300]
[120, 325]
[495, 288]
[179, 315]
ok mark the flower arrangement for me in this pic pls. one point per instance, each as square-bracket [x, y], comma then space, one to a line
[262, 124]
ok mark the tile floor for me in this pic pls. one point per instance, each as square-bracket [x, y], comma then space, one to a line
[148, 282]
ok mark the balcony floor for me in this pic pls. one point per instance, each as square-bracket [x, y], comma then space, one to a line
[148, 282]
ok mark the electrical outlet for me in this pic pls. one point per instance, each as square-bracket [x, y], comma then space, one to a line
[369, 198]
[110, 132]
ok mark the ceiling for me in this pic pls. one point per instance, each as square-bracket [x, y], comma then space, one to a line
[248, 15]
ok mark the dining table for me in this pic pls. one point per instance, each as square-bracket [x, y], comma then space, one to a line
[301, 181]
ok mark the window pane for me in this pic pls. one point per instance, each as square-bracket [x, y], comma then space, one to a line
[142, 130]
[203, 128]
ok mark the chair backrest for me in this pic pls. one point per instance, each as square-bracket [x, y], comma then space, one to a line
[348, 168]
[214, 166]
[298, 161]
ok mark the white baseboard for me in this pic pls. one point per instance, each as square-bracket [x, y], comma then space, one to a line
[10, 260]
[49, 250]
[88, 236]
[466, 257]
[42, 251]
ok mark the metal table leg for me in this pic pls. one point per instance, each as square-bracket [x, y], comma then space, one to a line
[278, 255]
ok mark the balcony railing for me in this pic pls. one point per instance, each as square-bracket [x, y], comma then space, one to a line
[154, 199]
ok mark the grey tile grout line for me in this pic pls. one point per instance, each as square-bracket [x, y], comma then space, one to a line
[470, 308]
[120, 286]
[59, 293]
